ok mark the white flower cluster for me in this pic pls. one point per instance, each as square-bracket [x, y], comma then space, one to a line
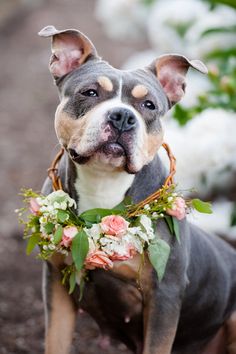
[122, 18]
[171, 26]
[54, 201]
[49, 206]
[134, 239]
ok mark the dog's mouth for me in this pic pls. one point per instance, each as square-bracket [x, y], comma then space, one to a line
[111, 149]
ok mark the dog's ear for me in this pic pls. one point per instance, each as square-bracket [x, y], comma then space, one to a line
[70, 49]
[171, 70]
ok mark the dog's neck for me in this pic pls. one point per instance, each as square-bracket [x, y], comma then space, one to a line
[99, 186]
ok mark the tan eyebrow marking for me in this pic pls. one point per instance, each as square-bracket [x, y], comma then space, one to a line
[105, 83]
[139, 91]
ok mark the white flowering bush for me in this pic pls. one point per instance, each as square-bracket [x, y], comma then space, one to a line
[204, 30]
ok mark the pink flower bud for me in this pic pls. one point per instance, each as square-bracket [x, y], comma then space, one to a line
[34, 206]
[178, 208]
[69, 233]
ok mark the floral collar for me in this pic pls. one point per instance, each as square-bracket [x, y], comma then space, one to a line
[99, 237]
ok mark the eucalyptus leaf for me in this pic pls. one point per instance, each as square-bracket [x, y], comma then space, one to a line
[202, 207]
[158, 254]
[32, 242]
[58, 235]
[176, 228]
[72, 282]
[80, 248]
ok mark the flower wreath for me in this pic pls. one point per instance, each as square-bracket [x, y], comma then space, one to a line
[99, 237]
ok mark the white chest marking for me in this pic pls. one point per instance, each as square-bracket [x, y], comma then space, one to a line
[101, 187]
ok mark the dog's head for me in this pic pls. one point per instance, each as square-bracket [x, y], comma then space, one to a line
[109, 115]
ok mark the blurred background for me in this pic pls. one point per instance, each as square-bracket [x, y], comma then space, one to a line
[201, 130]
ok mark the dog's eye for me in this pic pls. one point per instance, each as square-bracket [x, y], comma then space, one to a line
[90, 93]
[149, 104]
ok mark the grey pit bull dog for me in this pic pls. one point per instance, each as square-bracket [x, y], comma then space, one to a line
[108, 121]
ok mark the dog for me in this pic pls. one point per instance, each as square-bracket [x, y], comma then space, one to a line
[109, 123]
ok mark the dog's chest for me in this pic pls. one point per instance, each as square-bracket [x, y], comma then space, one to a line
[101, 188]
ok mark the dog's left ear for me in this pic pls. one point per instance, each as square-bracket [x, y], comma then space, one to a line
[171, 70]
[70, 49]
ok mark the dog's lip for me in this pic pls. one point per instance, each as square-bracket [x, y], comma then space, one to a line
[113, 148]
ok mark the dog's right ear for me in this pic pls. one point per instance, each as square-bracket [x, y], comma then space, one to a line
[70, 49]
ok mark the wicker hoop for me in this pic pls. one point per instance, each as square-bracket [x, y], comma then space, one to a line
[57, 184]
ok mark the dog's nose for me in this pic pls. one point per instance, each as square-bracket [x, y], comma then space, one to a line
[122, 119]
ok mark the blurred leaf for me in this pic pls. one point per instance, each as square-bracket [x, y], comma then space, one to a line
[32, 242]
[169, 222]
[228, 29]
[72, 282]
[233, 216]
[202, 207]
[176, 229]
[230, 3]
[158, 254]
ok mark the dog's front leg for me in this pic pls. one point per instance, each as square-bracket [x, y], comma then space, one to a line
[160, 323]
[60, 312]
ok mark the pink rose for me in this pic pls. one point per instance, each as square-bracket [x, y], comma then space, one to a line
[130, 252]
[178, 208]
[69, 233]
[98, 259]
[114, 225]
[34, 206]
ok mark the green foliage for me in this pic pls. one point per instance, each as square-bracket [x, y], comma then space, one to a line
[32, 243]
[222, 76]
[230, 3]
[201, 207]
[158, 253]
[62, 215]
[80, 248]
[95, 215]
[233, 216]
[58, 235]
[176, 228]
[72, 282]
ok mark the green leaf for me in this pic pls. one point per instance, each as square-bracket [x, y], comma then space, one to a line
[58, 235]
[233, 216]
[62, 215]
[122, 206]
[158, 254]
[72, 282]
[81, 288]
[49, 227]
[176, 228]
[95, 215]
[80, 247]
[32, 242]
[169, 222]
[202, 207]
[228, 29]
